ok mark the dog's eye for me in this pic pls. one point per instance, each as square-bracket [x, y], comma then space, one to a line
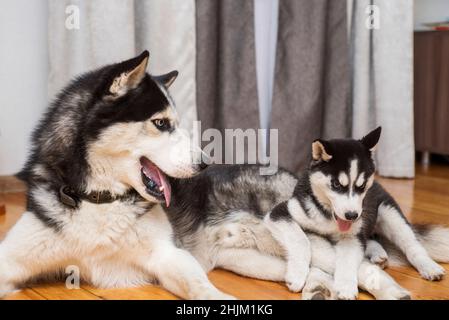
[336, 184]
[361, 188]
[162, 124]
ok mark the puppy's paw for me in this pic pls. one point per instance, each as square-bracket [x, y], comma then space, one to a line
[317, 293]
[381, 260]
[376, 253]
[346, 291]
[213, 294]
[295, 280]
[395, 292]
[432, 271]
[294, 286]
[224, 296]
[235, 236]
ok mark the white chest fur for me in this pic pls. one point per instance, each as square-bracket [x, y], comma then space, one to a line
[315, 221]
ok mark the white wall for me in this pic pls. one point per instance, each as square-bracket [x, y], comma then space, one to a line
[430, 11]
[23, 77]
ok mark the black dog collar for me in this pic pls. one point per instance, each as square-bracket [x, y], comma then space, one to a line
[71, 198]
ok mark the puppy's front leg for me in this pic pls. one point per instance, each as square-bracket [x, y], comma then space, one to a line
[180, 273]
[349, 255]
[295, 243]
[379, 283]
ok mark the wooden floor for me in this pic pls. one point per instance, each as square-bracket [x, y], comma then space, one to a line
[424, 199]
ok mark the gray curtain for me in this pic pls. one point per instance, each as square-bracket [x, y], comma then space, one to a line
[311, 79]
[226, 68]
[311, 76]
[382, 81]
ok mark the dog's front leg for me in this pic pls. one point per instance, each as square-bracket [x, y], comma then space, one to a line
[349, 255]
[295, 243]
[180, 273]
[29, 249]
[379, 283]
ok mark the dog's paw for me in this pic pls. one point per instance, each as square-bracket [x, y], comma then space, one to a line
[376, 253]
[295, 281]
[346, 291]
[317, 293]
[235, 236]
[395, 292]
[294, 286]
[380, 259]
[224, 296]
[213, 294]
[431, 271]
[6, 289]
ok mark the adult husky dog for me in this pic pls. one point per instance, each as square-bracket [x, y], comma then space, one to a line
[96, 176]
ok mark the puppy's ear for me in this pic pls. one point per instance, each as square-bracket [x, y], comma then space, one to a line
[321, 150]
[128, 74]
[167, 79]
[371, 139]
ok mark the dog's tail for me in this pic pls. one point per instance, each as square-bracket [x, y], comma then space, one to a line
[434, 238]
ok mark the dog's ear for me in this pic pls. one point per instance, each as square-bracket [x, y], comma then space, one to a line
[128, 74]
[371, 139]
[321, 150]
[167, 79]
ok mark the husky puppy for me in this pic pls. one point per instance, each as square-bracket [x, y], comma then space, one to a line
[97, 176]
[339, 199]
[222, 216]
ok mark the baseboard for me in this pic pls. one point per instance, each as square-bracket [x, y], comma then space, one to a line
[10, 184]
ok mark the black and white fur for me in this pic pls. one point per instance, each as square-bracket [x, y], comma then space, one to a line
[338, 198]
[282, 228]
[93, 138]
[222, 216]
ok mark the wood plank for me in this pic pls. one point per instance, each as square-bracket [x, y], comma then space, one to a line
[58, 291]
[420, 289]
[25, 294]
[247, 288]
[148, 292]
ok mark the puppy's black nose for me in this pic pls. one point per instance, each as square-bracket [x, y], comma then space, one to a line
[351, 215]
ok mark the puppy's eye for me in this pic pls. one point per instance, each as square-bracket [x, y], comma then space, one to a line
[362, 187]
[162, 124]
[336, 184]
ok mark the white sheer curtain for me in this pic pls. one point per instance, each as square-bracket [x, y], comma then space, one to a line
[382, 81]
[114, 30]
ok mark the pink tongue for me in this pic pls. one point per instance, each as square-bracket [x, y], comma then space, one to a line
[343, 225]
[166, 186]
[154, 173]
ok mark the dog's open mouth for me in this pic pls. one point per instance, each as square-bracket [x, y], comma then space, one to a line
[343, 225]
[155, 181]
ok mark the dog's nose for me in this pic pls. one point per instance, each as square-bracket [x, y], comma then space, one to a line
[351, 215]
[203, 165]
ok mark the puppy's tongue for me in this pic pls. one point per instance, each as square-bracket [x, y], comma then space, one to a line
[343, 225]
[153, 172]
